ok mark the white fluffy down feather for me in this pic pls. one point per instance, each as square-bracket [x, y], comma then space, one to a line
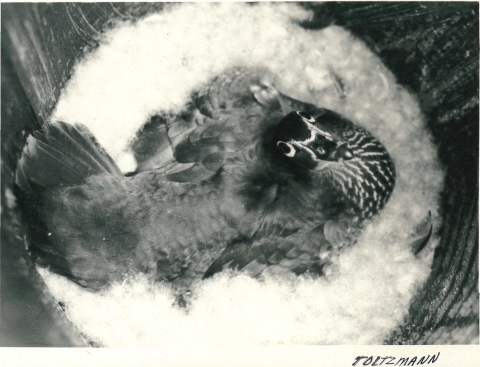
[152, 65]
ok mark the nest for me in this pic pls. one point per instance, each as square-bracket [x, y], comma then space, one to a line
[429, 48]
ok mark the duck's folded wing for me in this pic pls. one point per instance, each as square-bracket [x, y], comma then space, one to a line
[221, 123]
[306, 252]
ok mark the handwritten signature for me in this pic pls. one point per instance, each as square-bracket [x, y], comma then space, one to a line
[395, 361]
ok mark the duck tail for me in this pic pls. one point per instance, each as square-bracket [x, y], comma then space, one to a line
[61, 154]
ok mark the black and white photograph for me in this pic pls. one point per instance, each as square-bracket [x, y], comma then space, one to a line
[240, 175]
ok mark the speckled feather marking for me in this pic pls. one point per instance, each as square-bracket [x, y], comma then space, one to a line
[369, 178]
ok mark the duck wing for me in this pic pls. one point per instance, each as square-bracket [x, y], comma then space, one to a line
[219, 126]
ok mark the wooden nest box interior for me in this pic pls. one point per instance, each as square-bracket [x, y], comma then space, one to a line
[432, 49]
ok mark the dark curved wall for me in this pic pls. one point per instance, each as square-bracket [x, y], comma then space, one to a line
[431, 47]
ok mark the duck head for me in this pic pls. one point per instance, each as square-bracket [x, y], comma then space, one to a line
[331, 151]
[302, 142]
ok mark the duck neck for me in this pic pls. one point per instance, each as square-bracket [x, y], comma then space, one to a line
[268, 180]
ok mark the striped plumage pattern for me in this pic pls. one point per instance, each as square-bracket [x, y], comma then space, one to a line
[368, 179]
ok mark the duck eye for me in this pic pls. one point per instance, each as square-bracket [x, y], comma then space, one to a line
[306, 116]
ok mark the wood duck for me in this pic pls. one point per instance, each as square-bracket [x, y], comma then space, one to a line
[244, 178]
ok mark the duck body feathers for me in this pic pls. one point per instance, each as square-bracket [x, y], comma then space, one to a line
[211, 192]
